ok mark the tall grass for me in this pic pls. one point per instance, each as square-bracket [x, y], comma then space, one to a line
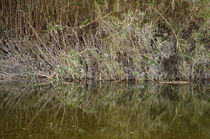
[75, 13]
[95, 39]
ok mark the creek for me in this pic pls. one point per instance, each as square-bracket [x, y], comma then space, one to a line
[104, 111]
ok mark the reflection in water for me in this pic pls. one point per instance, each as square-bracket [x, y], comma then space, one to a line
[107, 110]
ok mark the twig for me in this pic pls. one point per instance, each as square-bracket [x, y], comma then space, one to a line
[177, 41]
[173, 82]
[38, 39]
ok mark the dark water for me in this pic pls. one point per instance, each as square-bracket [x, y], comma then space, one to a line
[105, 111]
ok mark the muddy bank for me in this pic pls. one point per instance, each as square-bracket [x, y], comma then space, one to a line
[100, 59]
[172, 68]
[11, 69]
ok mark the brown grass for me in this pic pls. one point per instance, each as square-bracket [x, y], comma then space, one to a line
[106, 40]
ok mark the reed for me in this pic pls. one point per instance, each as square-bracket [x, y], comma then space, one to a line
[106, 40]
[74, 13]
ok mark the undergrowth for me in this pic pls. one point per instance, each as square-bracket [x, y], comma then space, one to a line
[106, 40]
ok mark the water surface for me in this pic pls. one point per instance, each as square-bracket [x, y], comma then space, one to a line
[104, 111]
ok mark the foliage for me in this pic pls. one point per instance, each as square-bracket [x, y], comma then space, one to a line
[107, 40]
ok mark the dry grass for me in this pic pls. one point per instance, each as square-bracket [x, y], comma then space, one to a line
[106, 40]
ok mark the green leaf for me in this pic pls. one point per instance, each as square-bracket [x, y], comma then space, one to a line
[96, 3]
[145, 58]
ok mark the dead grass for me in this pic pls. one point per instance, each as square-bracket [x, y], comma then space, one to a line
[106, 40]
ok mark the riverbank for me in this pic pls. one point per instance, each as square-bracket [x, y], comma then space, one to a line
[160, 41]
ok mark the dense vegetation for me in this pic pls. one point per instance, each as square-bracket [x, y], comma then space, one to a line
[105, 39]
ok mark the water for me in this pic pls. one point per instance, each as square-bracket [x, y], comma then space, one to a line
[104, 111]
